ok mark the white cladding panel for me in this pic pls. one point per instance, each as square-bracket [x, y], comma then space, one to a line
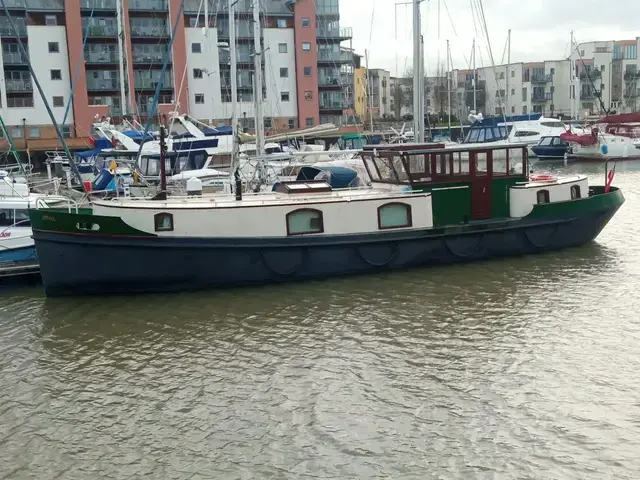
[209, 85]
[339, 218]
[522, 200]
[43, 62]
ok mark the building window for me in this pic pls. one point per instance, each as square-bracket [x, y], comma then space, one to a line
[163, 222]
[292, 123]
[284, 96]
[394, 215]
[50, 20]
[282, 48]
[306, 21]
[199, 97]
[310, 122]
[282, 23]
[66, 131]
[34, 132]
[307, 71]
[54, 47]
[268, 122]
[304, 221]
[196, 48]
[284, 72]
[197, 73]
[56, 74]
[16, 132]
[58, 101]
[575, 192]
[306, 46]
[543, 196]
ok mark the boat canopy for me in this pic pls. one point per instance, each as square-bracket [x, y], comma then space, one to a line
[136, 135]
[585, 139]
[337, 177]
[620, 118]
[221, 130]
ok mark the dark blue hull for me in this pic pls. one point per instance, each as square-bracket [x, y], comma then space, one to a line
[75, 264]
[550, 153]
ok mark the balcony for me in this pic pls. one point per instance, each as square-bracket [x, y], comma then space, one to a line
[541, 78]
[328, 104]
[328, 82]
[14, 58]
[103, 84]
[45, 5]
[101, 57]
[630, 76]
[590, 74]
[538, 97]
[98, 4]
[145, 31]
[148, 58]
[587, 95]
[7, 31]
[328, 57]
[149, 5]
[102, 31]
[15, 4]
[152, 83]
[17, 86]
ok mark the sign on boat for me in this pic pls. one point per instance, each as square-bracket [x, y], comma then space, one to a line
[426, 205]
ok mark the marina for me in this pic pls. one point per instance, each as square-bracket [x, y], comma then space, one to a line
[230, 248]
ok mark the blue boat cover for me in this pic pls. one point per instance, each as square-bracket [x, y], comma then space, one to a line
[136, 135]
[339, 177]
[221, 130]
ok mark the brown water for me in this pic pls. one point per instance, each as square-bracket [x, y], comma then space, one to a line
[524, 368]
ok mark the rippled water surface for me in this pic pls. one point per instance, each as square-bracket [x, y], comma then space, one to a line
[524, 368]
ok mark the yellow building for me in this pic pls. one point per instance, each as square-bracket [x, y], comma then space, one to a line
[360, 92]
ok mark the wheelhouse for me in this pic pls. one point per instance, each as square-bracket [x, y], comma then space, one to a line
[466, 184]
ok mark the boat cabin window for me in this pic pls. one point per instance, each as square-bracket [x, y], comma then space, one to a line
[575, 192]
[546, 141]
[526, 133]
[515, 161]
[481, 163]
[552, 124]
[543, 196]
[163, 222]
[558, 142]
[304, 221]
[394, 215]
[9, 217]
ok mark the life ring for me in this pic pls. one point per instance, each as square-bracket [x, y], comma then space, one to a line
[543, 178]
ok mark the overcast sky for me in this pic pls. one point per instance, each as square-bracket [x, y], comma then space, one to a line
[540, 29]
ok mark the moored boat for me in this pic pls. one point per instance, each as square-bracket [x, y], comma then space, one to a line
[551, 148]
[425, 206]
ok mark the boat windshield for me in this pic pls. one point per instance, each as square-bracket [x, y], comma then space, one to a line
[545, 141]
[486, 134]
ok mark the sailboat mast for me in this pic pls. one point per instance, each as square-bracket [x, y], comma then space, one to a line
[257, 89]
[417, 81]
[572, 77]
[207, 51]
[234, 91]
[449, 85]
[123, 96]
[475, 78]
[508, 74]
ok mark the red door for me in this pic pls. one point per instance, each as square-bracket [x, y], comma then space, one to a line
[481, 198]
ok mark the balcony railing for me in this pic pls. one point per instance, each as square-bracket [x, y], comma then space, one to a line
[631, 76]
[324, 56]
[149, 5]
[587, 95]
[45, 5]
[140, 31]
[15, 4]
[7, 31]
[14, 58]
[328, 82]
[98, 4]
[147, 57]
[18, 85]
[101, 30]
[331, 104]
[152, 83]
[538, 97]
[590, 74]
[100, 57]
[540, 78]
[103, 84]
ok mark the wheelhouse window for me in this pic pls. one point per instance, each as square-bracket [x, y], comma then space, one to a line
[163, 222]
[394, 215]
[304, 221]
[543, 196]
[545, 141]
[575, 192]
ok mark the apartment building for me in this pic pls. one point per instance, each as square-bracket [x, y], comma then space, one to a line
[115, 49]
[379, 91]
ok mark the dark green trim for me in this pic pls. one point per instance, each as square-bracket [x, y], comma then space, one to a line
[598, 201]
[51, 220]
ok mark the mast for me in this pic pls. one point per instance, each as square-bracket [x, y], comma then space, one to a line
[508, 72]
[369, 87]
[123, 96]
[418, 126]
[162, 194]
[475, 78]
[207, 52]
[572, 77]
[449, 84]
[257, 89]
[234, 99]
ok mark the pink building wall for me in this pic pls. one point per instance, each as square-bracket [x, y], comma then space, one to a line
[179, 58]
[307, 107]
